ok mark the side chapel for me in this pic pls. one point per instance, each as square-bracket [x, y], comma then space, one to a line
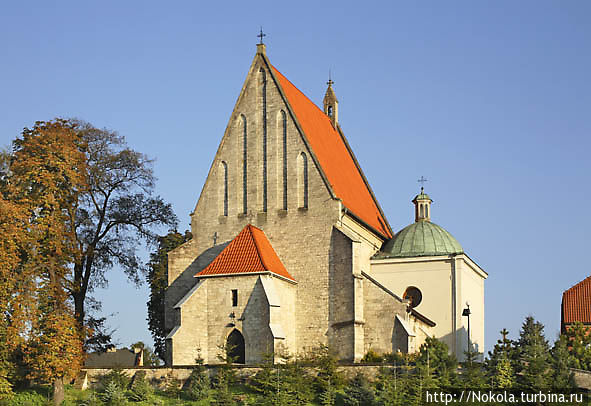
[291, 248]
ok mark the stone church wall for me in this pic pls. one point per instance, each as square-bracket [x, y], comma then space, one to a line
[300, 236]
[380, 314]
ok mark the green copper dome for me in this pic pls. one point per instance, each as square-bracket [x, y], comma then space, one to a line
[420, 239]
[422, 196]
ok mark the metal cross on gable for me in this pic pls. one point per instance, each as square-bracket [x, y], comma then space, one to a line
[215, 237]
[422, 181]
[261, 35]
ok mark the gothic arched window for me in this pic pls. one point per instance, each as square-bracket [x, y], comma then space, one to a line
[284, 157]
[264, 141]
[303, 181]
[224, 188]
[244, 166]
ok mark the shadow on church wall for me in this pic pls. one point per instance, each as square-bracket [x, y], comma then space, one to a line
[186, 281]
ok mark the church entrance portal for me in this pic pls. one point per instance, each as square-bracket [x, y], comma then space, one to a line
[235, 346]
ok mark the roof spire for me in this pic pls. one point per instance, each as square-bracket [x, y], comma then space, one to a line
[331, 104]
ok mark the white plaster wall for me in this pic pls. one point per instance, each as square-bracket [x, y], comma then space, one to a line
[472, 291]
[434, 280]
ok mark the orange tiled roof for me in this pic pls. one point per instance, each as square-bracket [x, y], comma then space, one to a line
[576, 303]
[334, 158]
[249, 251]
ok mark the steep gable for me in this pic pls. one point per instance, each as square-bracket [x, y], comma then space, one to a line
[249, 252]
[335, 159]
[576, 303]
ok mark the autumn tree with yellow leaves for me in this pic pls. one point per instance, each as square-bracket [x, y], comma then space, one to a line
[47, 176]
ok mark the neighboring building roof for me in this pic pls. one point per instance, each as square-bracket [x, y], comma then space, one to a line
[335, 158]
[249, 252]
[122, 358]
[420, 239]
[576, 303]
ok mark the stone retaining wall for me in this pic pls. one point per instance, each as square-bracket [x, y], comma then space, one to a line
[159, 376]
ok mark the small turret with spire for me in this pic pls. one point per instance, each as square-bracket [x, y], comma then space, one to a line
[331, 104]
[422, 203]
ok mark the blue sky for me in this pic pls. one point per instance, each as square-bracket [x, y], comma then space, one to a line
[489, 100]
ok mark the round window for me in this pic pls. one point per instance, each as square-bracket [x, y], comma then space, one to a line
[413, 295]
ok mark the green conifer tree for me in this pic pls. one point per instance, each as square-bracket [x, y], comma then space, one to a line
[562, 376]
[534, 366]
[359, 392]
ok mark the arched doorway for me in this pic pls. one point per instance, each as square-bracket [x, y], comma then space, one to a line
[235, 347]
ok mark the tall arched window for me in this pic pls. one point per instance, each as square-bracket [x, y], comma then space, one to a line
[244, 166]
[284, 158]
[303, 181]
[264, 141]
[224, 188]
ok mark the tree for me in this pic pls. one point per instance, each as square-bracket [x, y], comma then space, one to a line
[158, 281]
[562, 376]
[359, 392]
[199, 385]
[116, 213]
[12, 318]
[47, 178]
[533, 350]
[434, 356]
[502, 362]
[111, 216]
[579, 340]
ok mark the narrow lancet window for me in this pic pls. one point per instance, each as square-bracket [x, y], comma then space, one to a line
[224, 188]
[284, 156]
[244, 166]
[264, 121]
[303, 181]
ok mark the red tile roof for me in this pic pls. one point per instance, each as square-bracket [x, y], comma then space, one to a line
[576, 303]
[250, 251]
[334, 158]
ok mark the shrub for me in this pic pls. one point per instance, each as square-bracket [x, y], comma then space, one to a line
[359, 392]
[372, 356]
[140, 388]
[198, 385]
[116, 376]
[26, 398]
[114, 395]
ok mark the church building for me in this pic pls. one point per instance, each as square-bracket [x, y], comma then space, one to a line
[291, 249]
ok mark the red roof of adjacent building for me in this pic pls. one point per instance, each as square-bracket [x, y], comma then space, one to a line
[249, 252]
[576, 303]
[334, 157]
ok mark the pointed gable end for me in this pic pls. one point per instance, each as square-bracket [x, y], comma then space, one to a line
[576, 303]
[334, 157]
[249, 252]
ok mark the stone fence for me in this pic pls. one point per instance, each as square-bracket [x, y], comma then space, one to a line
[159, 376]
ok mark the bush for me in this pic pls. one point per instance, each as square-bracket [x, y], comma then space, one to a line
[359, 392]
[116, 376]
[114, 395]
[372, 356]
[198, 385]
[140, 388]
[90, 399]
[26, 398]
